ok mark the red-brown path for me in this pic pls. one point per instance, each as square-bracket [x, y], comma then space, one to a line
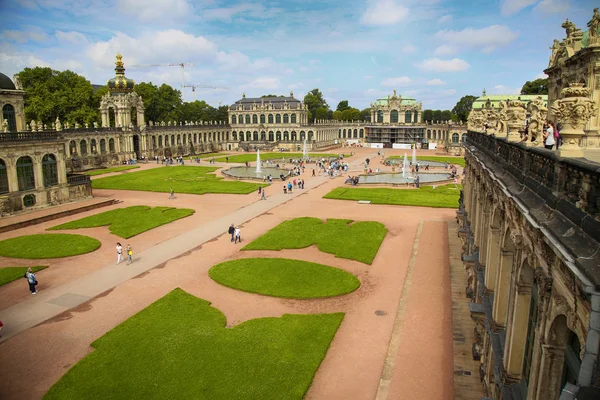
[354, 364]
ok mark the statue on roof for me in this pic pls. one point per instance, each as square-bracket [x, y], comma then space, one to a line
[483, 93]
[594, 24]
[19, 85]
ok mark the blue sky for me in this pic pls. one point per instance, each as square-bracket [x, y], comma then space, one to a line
[358, 50]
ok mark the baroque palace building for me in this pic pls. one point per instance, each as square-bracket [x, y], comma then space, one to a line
[529, 219]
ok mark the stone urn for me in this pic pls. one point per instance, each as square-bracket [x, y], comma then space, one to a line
[515, 119]
[573, 111]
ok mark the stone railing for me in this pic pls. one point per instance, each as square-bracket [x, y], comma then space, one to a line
[29, 136]
[186, 127]
[570, 186]
[78, 179]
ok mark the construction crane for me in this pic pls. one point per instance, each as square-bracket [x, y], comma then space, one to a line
[181, 65]
[194, 87]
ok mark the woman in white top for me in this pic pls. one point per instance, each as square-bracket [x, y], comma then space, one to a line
[119, 253]
[549, 137]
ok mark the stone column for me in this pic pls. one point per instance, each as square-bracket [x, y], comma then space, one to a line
[515, 349]
[502, 292]
[11, 173]
[515, 114]
[38, 173]
[551, 366]
[492, 258]
[573, 111]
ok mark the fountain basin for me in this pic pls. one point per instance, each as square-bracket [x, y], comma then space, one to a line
[422, 163]
[394, 179]
[250, 172]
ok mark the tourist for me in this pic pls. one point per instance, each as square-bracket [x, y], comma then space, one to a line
[284, 188]
[231, 231]
[119, 253]
[172, 196]
[549, 140]
[129, 254]
[289, 187]
[264, 195]
[238, 238]
[226, 159]
[30, 276]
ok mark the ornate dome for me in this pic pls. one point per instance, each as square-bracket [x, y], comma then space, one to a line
[120, 83]
[6, 83]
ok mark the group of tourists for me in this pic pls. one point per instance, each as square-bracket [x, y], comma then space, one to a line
[550, 135]
[129, 251]
[170, 160]
[295, 184]
[235, 233]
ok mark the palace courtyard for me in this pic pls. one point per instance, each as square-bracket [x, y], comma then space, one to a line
[360, 309]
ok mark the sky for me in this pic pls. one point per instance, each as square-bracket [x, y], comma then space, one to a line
[435, 51]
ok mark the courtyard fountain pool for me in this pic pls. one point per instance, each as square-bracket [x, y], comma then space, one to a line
[252, 173]
[398, 178]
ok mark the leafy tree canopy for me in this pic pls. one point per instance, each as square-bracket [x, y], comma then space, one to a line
[343, 105]
[538, 86]
[271, 95]
[462, 108]
[365, 114]
[318, 107]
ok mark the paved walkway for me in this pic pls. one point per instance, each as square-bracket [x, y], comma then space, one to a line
[48, 304]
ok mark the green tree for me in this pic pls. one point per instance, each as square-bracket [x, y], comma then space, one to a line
[62, 94]
[337, 115]
[446, 115]
[427, 115]
[351, 114]
[538, 86]
[437, 115]
[271, 95]
[462, 108]
[343, 105]
[365, 114]
[316, 104]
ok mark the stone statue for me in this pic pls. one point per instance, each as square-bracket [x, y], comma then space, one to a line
[87, 125]
[67, 125]
[95, 125]
[17, 82]
[555, 47]
[5, 126]
[43, 127]
[594, 24]
[569, 28]
[169, 123]
[28, 127]
[76, 125]
[57, 124]
[538, 114]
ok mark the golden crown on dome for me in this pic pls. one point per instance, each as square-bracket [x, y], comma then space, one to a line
[120, 83]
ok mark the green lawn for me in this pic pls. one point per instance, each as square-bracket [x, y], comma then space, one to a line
[53, 245]
[129, 221]
[451, 160]
[9, 274]
[281, 277]
[208, 155]
[183, 179]
[180, 348]
[251, 157]
[109, 170]
[426, 196]
[359, 241]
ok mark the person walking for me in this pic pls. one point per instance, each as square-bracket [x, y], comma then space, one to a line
[129, 254]
[549, 140]
[119, 253]
[231, 231]
[31, 280]
[264, 195]
[172, 196]
[238, 238]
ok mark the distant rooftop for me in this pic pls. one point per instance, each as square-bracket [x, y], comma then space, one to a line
[494, 99]
[246, 103]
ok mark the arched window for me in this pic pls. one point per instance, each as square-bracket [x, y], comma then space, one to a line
[262, 118]
[310, 136]
[455, 138]
[103, 145]
[463, 138]
[428, 133]
[8, 113]
[263, 136]
[286, 119]
[3, 177]
[286, 136]
[394, 116]
[49, 170]
[355, 133]
[159, 142]
[234, 136]
[415, 117]
[293, 120]
[83, 147]
[271, 136]
[278, 118]
[362, 133]
[204, 138]
[278, 136]
[255, 119]
[72, 148]
[172, 140]
[248, 119]
[178, 139]
[111, 145]
[340, 133]
[255, 136]
[25, 175]
[93, 146]
[344, 135]
[184, 139]
[270, 118]
[380, 116]
[233, 119]
[408, 117]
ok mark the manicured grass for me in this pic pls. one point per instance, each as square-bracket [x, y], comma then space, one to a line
[129, 221]
[281, 277]
[9, 274]
[208, 155]
[179, 348]
[53, 245]
[183, 179]
[426, 196]
[251, 157]
[109, 170]
[358, 241]
[450, 160]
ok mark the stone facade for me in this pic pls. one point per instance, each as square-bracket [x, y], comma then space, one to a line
[396, 110]
[12, 118]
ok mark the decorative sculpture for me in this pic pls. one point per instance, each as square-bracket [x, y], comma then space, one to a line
[573, 111]
[515, 117]
[67, 126]
[76, 125]
[87, 125]
[538, 115]
[594, 24]
[95, 125]
[4, 126]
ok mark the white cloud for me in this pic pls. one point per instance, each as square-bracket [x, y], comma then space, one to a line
[383, 12]
[437, 65]
[71, 37]
[553, 6]
[501, 89]
[445, 50]
[24, 36]
[445, 18]
[157, 10]
[10, 64]
[252, 10]
[436, 82]
[510, 7]
[399, 81]
[262, 83]
[485, 39]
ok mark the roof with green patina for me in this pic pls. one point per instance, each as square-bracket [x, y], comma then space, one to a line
[497, 98]
[405, 101]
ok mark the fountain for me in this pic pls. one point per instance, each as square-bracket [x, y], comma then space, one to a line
[414, 158]
[304, 152]
[258, 166]
[404, 166]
